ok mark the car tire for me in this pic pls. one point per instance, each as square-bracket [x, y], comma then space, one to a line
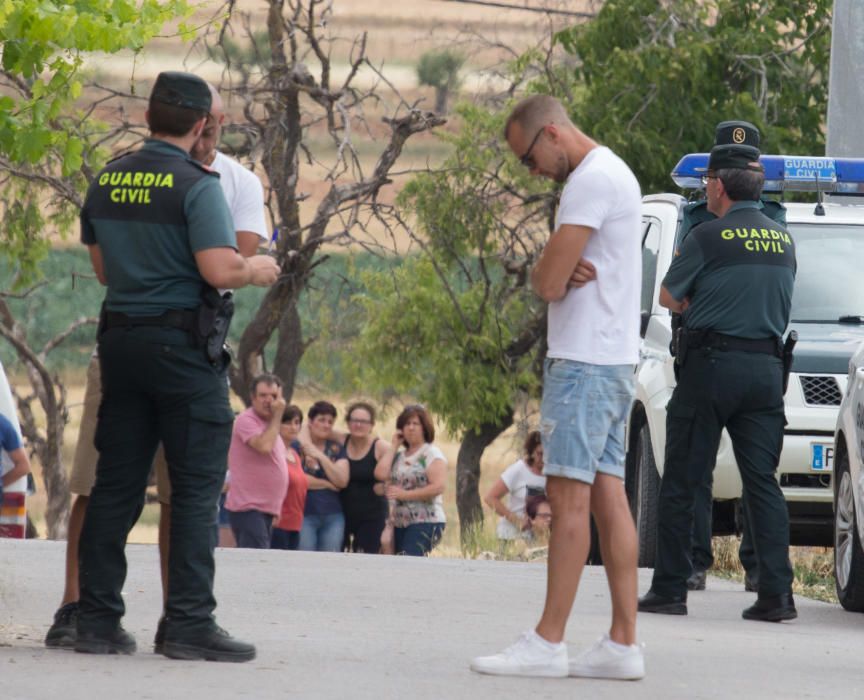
[848, 553]
[646, 497]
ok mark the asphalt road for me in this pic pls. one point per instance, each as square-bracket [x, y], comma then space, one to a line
[355, 626]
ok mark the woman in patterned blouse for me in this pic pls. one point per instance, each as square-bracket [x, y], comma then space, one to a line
[416, 483]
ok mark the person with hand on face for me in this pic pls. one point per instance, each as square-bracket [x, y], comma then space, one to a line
[521, 480]
[257, 462]
[327, 472]
[363, 500]
[417, 477]
[286, 532]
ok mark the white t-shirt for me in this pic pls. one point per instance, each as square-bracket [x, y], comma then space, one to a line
[599, 323]
[521, 482]
[244, 193]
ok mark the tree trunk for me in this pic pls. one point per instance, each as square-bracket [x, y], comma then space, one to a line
[442, 94]
[290, 350]
[474, 443]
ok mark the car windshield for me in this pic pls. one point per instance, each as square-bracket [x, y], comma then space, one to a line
[829, 283]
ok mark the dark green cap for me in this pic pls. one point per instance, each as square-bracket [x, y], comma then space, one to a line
[736, 133]
[182, 90]
[734, 158]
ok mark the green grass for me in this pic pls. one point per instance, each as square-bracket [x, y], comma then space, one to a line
[813, 568]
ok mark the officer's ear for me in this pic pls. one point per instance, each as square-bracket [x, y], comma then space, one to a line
[198, 127]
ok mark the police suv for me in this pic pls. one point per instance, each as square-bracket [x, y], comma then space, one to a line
[826, 313]
[849, 490]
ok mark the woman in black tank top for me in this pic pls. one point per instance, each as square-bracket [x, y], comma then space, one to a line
[364, 505]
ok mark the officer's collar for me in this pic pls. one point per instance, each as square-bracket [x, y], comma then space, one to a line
[164, 147]
[745, 205]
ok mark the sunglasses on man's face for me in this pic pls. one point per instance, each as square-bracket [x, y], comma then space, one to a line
[527, 159]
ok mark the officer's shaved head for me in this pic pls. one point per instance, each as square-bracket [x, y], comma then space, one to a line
[535, 112]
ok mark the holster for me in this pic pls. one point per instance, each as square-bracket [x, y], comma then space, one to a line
[678, 344]
[788, 356]
[212, 322]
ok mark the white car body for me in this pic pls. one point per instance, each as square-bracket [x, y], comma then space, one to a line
[812, 399]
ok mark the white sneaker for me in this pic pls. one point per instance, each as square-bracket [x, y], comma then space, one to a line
[529, 656]
[604, 660]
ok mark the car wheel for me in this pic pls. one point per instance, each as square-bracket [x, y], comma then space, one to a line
[646, 497]
[848, 554]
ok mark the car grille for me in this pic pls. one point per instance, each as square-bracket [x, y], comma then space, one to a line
[821, 391]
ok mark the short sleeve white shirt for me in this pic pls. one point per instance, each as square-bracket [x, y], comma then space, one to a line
[599, 323]
[521, 483]
[244, 193]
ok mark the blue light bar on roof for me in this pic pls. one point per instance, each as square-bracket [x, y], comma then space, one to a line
[786, 173]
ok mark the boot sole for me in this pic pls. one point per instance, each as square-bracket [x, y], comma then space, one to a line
[670, 609]
[88, 647]
[779, 616]
[65, 641]
[188, 652]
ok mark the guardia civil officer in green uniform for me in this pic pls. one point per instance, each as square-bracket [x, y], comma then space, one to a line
[161, 238]
[732, 278]
[740, 133]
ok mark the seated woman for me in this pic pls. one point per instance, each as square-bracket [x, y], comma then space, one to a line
[539, 512]
[286, 532]
[417, 479]
[363, 501]
[520, 480]
[327, 473]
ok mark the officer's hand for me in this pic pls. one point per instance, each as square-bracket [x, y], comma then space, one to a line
[265, 270]
[584, 273]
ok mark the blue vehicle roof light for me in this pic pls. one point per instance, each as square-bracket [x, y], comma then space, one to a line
[786, 173]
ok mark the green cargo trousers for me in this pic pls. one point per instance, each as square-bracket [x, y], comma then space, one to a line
[156, 386]
[741, 391]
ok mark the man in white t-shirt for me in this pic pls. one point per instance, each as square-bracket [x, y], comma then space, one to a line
[588, 383]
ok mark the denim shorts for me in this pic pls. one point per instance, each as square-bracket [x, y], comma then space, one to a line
[582, 418]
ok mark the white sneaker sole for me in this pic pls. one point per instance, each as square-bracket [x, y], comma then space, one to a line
[525, 671]
[634, 673]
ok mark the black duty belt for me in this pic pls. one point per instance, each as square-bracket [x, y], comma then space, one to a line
[179, 318]
[721, 341]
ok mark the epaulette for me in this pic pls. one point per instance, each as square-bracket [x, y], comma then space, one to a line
[120, 155]
[205, 168]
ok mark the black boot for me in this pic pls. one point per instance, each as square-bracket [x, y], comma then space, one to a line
[118, 641]
[63, 632]
[696, 582]
[775, 608]
[217, 645]
[651, 602]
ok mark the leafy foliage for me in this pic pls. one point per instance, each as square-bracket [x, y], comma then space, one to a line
[44, 143]
[455, 324]
[659, 74]
[440, 69]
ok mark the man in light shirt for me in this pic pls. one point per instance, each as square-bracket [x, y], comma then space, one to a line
[588, 384]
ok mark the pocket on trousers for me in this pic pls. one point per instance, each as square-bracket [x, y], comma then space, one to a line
[679, 429]
[208, 434]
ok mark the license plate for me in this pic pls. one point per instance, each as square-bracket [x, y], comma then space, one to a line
[821, 456]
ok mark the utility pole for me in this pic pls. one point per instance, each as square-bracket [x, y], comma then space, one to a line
[845, 87]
